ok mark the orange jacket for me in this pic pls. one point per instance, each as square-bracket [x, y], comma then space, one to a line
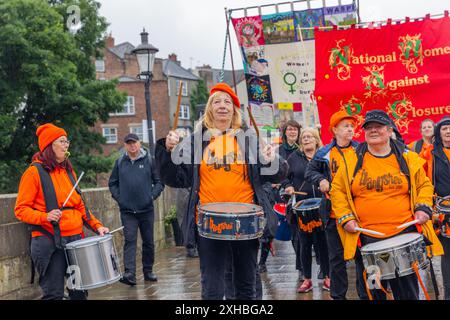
[30, 204]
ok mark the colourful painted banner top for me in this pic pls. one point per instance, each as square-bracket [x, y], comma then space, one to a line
[403, 69]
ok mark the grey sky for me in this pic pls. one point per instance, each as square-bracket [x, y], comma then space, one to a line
[195, 30]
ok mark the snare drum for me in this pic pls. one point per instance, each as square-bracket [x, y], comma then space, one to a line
[443, 208]
[230, 221]
[396, 253]
[92, 262]
[283, 230]
[308, 215]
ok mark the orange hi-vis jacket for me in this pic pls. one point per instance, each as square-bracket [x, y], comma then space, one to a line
[30, 204]
[421, 192]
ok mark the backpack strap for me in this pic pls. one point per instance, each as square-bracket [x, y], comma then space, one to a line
[51, 203]
[418, 146]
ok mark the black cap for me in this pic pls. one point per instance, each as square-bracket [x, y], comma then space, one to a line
[131, 137]
[378, 116]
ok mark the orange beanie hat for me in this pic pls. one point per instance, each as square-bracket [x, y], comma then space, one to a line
[227, 89]
[47, 133]
[338, 117]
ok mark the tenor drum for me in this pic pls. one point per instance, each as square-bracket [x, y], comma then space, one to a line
[396, 253]
[92, 262]
[308, 215]
[230, 221]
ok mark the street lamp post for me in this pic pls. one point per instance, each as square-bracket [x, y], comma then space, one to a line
[145, 54]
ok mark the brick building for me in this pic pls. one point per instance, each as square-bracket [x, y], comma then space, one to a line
[118, 62]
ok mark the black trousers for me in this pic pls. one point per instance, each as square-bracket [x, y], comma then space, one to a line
[229, 284]
[51, 265]
[133, 222]
[338, 266]
[445, 266]
[296, 244]
[215, 256]
[307, 240]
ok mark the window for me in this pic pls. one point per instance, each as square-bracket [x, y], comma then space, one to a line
[110, 134]
[184, 91]
[184, 112]
[128, 107]
[100, 65]
[137, 130]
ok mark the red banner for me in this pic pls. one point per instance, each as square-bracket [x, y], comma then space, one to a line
[403, 69]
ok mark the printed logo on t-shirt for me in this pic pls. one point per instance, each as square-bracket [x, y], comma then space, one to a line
[380, 183]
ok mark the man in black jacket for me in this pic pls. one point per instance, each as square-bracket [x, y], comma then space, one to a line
[134, 184]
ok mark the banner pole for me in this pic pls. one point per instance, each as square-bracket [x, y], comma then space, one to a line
[228, 18]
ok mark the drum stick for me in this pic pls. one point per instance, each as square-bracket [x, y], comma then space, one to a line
[74, 187]
[115, 230]
[301, 193]
[177, 112]
[370, 231]
[408, 224]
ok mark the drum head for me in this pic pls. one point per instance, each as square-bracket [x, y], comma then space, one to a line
[308, 204]
[393, 242]
[280, 208]
[230, 207]
[88, 241]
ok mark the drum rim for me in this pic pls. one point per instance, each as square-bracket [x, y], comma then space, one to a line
[441, 209]
[248, 213]
[234, 238]
[404, 245]
[319, 200]
[106, 237]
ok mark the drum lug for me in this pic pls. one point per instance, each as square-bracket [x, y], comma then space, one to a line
[238, 226]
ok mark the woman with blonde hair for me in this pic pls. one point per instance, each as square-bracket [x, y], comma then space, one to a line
[311, 231]
[219, 167]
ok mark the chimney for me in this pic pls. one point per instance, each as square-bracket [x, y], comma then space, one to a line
[109, 42]
[173, 57]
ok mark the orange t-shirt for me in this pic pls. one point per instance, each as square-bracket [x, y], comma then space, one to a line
[381, 195]
[223, 173]
[447, 153]
[335, 163]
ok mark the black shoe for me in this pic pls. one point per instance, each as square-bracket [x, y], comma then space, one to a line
[191, 253]
[129, 279]
[262, 268]
[150, 276]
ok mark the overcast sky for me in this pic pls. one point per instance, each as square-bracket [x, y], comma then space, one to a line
[195, 30]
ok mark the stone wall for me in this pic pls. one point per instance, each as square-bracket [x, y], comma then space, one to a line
[14, 239]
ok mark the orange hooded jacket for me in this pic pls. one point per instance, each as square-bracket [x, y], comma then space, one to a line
[30, 204]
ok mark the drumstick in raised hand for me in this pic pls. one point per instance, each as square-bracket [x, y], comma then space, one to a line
[301, 193]
[369, 231]
[74, 187]
[407, 224]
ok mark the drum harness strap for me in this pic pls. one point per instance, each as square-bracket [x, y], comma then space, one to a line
[51, 203]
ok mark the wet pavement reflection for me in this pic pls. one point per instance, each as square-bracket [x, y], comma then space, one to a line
[179, 279]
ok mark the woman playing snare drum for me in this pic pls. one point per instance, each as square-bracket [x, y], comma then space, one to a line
[383, 187]
[43, 189]
[219, 166]
[309, 231]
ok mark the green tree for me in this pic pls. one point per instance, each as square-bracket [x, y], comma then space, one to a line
[199, 96]
[47, 75]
